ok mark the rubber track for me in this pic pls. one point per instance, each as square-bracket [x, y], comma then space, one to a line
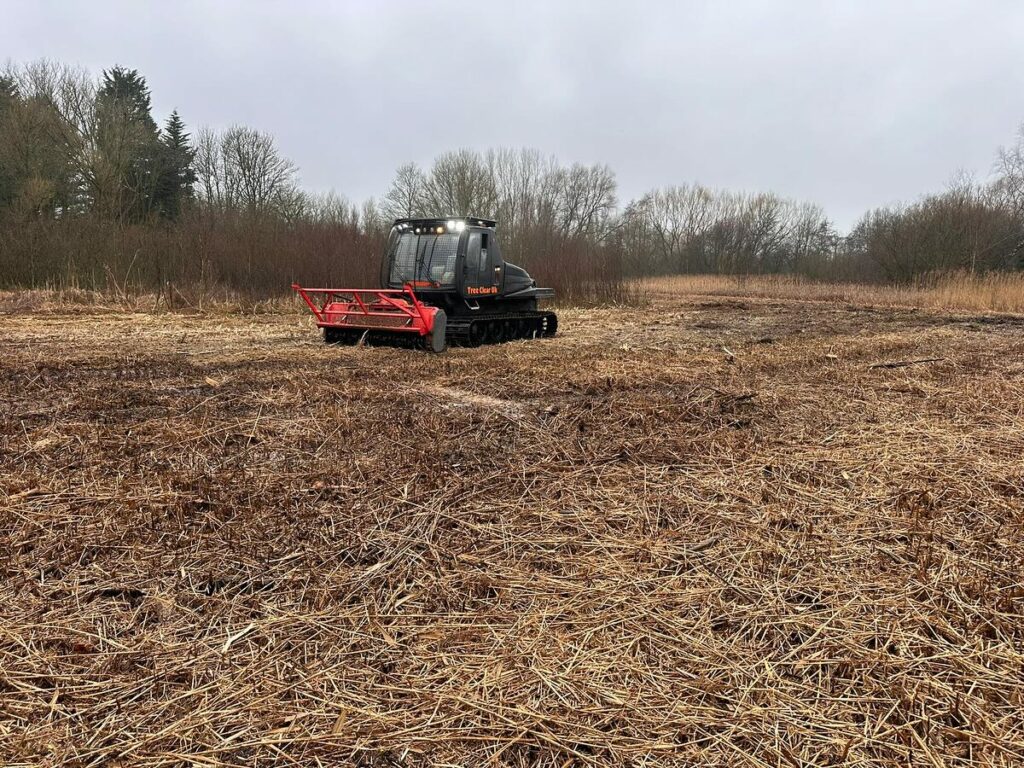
[460, 334]
[458, 331]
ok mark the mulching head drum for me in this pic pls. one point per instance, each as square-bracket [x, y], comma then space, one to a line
[393, 317]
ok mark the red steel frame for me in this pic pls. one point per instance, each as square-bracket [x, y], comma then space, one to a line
[369, 302]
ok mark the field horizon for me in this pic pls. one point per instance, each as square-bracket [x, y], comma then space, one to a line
[998, 292]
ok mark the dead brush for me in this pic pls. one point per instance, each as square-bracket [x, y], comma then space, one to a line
[223, 543]
[990, 292]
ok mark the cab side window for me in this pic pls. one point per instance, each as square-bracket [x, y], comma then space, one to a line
[473, 251]
[480, 259]
[484, 263]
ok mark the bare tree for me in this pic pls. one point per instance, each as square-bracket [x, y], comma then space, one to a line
[405, 197]
[211, 174]
[242, 169]
[675, 220]
[586, 200]
[51, 136]
[459, 183]
[370, 218]
[258, 176]
[1009, 182]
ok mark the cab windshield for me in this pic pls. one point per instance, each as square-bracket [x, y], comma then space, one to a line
[424, 258]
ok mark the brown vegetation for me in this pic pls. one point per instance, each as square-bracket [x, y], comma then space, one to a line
[990, 292]
[707, 531]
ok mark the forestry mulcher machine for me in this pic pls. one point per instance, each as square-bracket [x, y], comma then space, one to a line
[443, 282]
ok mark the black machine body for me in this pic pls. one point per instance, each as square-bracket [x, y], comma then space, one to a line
[455, 263]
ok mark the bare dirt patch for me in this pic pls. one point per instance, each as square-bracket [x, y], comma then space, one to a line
[715, 532]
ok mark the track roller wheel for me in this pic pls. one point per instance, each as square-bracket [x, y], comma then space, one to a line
[477, 334]
[493, 332]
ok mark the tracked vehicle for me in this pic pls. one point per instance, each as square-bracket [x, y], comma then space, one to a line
[443, 282]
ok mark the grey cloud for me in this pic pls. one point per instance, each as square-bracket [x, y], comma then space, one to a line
[849, 104]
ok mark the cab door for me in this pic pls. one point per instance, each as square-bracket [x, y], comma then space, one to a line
[482, 275]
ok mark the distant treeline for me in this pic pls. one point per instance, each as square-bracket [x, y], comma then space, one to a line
[95, 194]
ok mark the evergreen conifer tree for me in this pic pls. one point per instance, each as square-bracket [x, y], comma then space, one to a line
[175, 187]
[129, 143]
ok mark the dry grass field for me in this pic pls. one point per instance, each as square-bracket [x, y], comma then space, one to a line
[992, 292]
[711, 530]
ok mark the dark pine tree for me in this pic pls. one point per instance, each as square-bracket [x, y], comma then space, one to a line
[175, 187]
[8, 100]
[129, 140]
[8, 92]
[127, 89]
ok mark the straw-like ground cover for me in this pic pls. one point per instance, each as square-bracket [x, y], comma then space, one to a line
[705, 531]
[987, 292]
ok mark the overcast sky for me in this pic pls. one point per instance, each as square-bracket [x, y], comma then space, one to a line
[851, 104]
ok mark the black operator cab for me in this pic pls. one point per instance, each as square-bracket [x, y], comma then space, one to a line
[452, 255]
[455, 263]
